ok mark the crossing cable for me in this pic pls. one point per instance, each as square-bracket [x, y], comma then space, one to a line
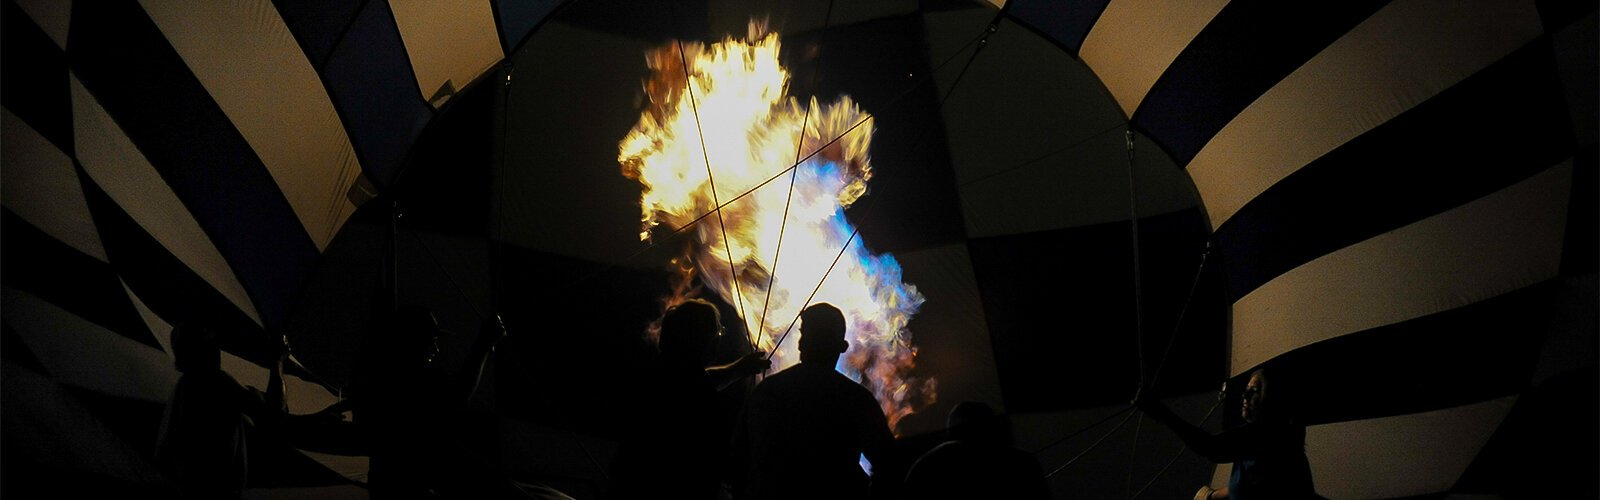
[1086, 428]
[890, 104]
[1096, 442]
[793, 176]
[1182, 313]
[982, 41]
[688, 87]
[1175, 457]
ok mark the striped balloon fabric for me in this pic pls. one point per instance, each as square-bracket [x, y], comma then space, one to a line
[1402, 197]
[171, 161]
[1389, 204]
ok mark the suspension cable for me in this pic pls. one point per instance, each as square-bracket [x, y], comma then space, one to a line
[799, 147]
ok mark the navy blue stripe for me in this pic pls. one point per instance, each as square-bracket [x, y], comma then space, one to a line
[168, 287]
[1499, 126]
[654, 21]
[1580, 253]
[1247, 48]
[1465, 355]
[1558, 14]
[36, 263]
[317, 24]
[14, 350]
[370, 79]
[518, 18]
[33, 71]
[121, 56]
[1065, 21]
[446, 186]
[1070, 293]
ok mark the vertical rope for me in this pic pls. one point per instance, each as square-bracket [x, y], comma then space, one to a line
[1138, 299]
[688, 87]
[1138, 278]
[794, 172]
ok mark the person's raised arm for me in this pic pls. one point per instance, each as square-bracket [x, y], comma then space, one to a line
[1210, 446]
[747, 365]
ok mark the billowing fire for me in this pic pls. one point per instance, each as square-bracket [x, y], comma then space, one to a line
[788, 232]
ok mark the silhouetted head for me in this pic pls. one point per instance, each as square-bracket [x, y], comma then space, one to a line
[194, 348]
[822, 329]
[689, 332]
[1255, 393]
[973, 421]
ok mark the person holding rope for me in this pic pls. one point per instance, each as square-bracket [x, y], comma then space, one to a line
[1267, 452]
[805, 428]
[683, 432]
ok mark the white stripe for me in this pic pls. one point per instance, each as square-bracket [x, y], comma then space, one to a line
[118, 167]
[303, 396]
[82, 354]
[158, 327]
[450, 43]
[54, 16]
[245, 56]
[41, 186]
[1403, 55]
[1134, 41]
[1496, 244]
[354, 468]
[1401, 456]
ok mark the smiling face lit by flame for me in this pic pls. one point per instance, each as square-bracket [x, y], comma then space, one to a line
[781, 237]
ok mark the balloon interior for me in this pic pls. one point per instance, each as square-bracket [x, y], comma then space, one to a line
[762, 180]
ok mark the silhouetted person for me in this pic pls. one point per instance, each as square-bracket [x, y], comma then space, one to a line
[210, 418]
[978, 461]
[1267, 452]
[804, 429]
[681, 438]
[202, 439]
[404, 404]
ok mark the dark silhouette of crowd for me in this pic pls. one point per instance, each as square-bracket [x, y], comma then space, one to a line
[805, 432]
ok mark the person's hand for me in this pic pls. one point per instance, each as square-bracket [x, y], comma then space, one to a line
[1204, 493]
[751, 364]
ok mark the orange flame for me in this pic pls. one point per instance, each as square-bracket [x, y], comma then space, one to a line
[735, 92]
